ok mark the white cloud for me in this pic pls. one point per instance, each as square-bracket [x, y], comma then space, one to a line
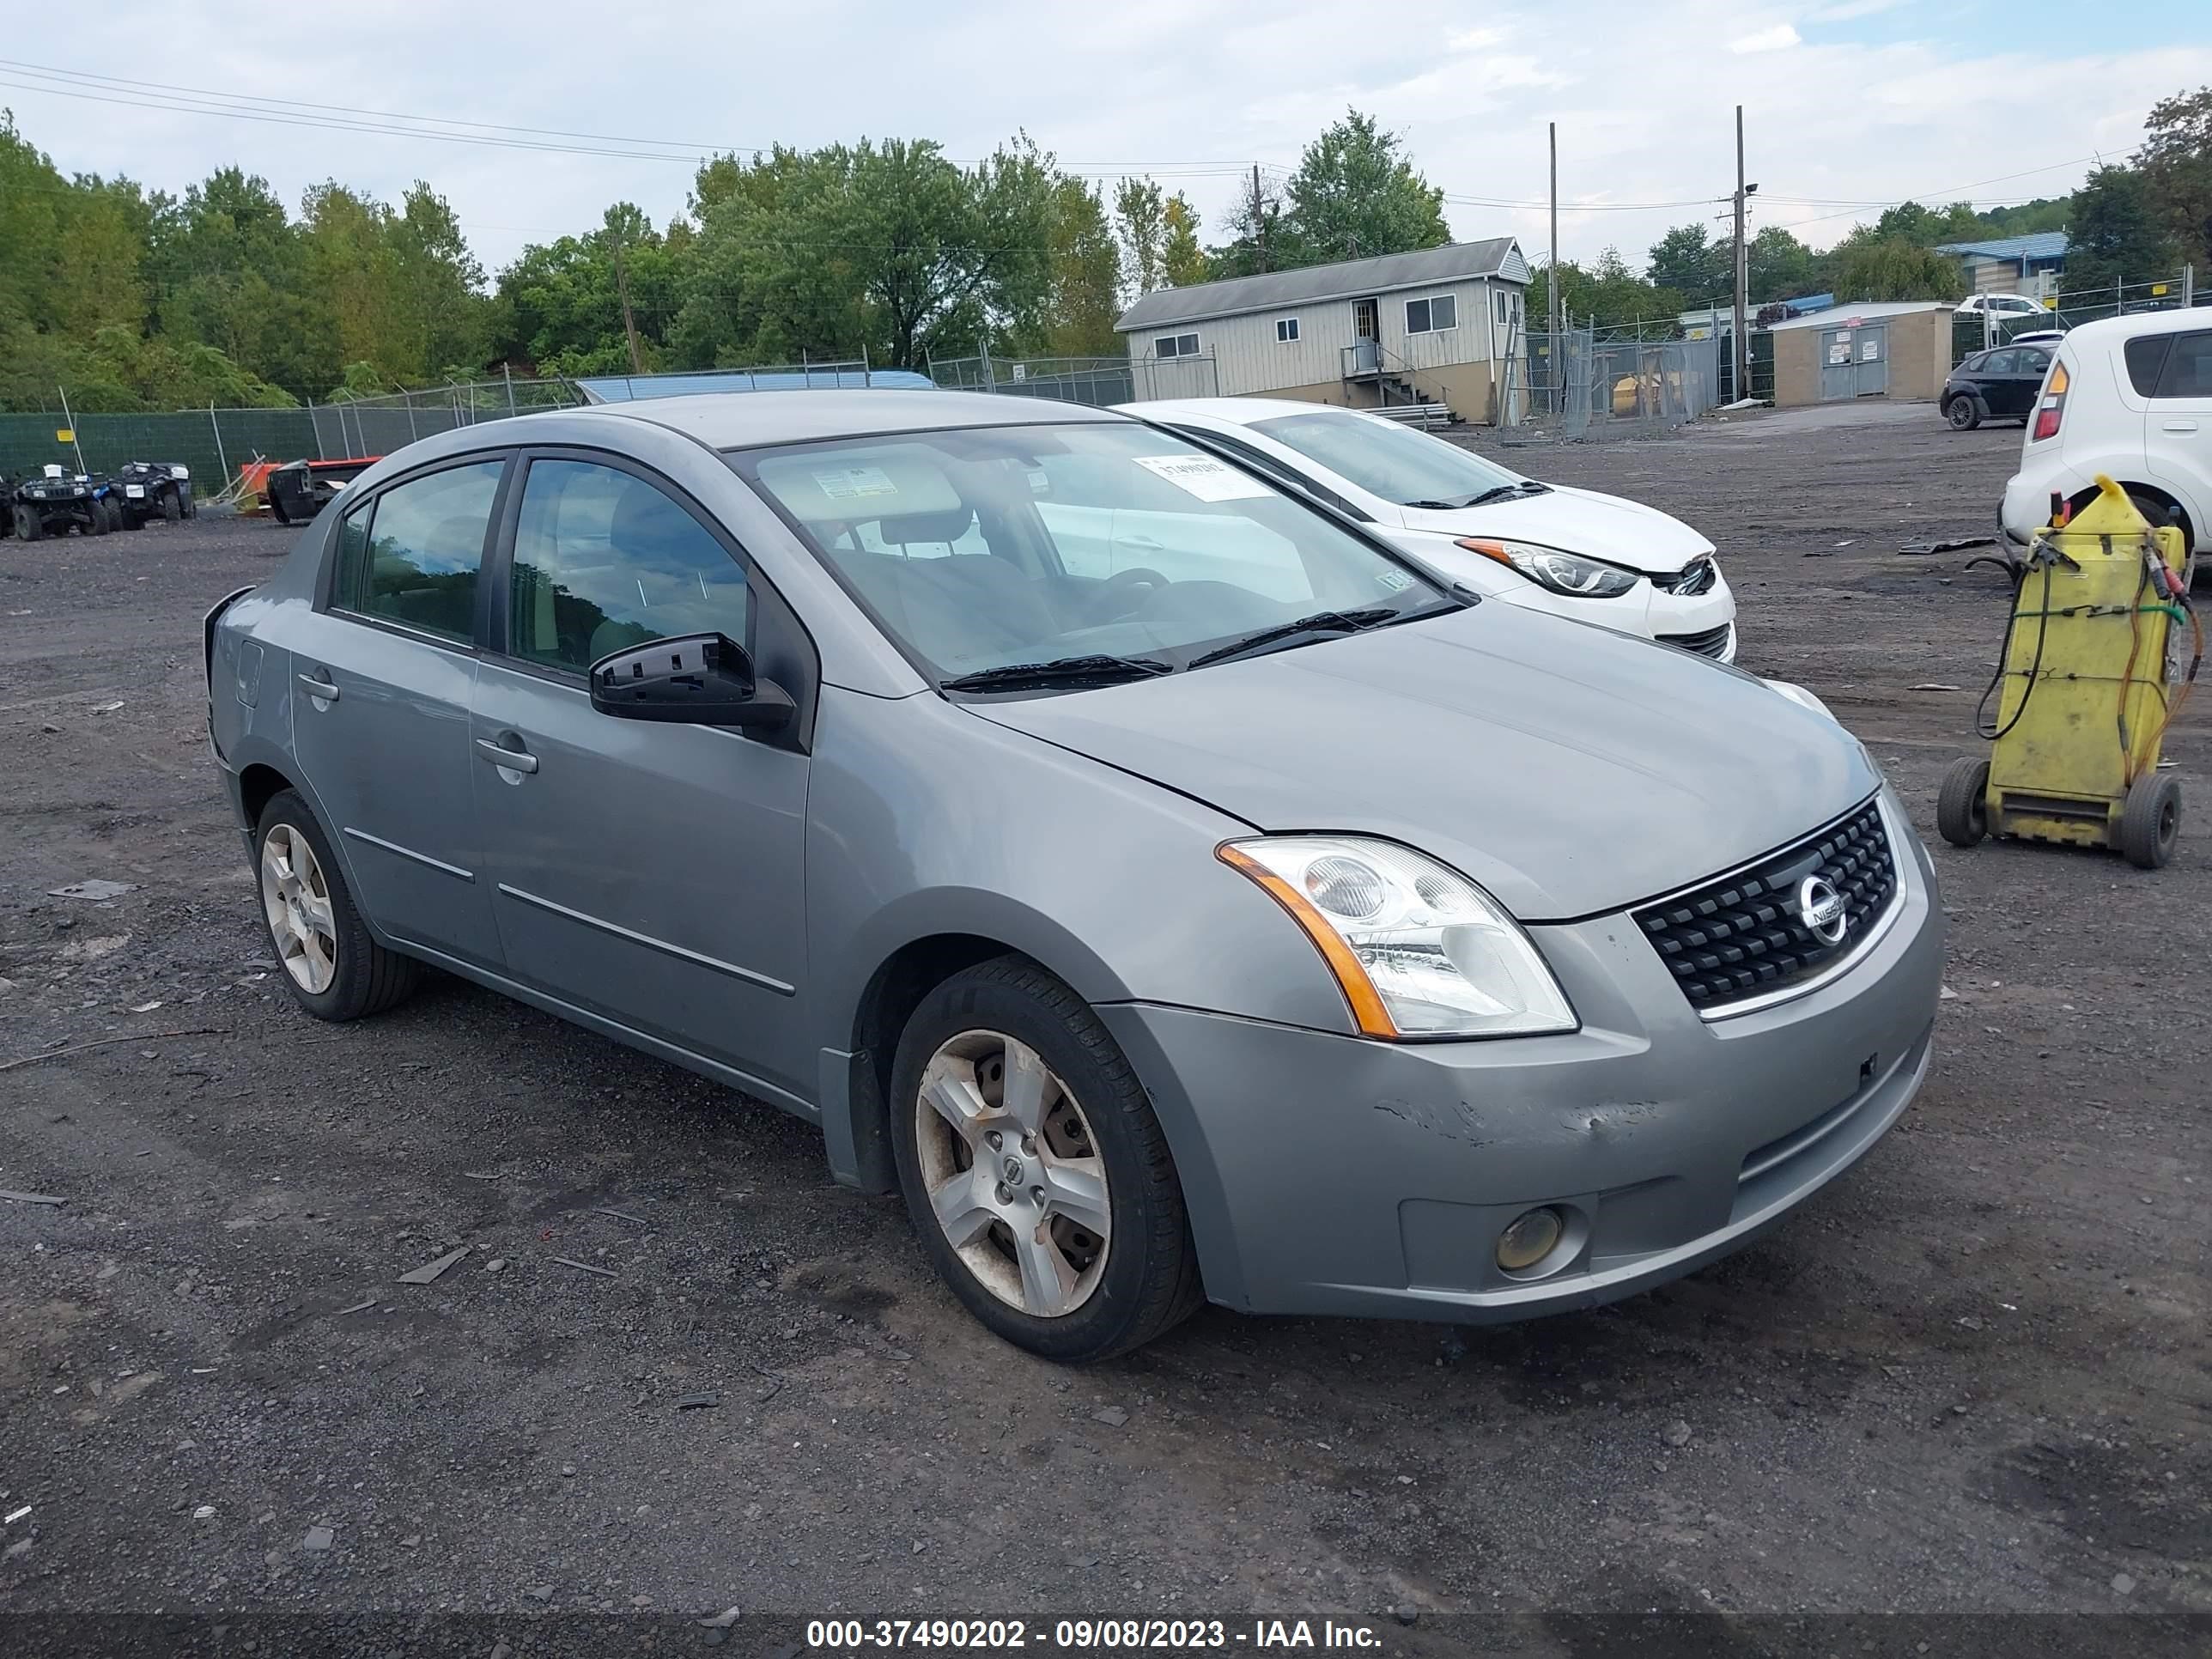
[1474, 40]
[1777, 39]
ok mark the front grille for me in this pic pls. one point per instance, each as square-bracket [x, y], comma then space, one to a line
[1744, 934]
[1694, 578]
[1712, 642]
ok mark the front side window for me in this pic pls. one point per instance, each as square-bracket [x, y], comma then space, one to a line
[1386, 459]
[1177, 345]
[416, 560]
[604, 560]
[1286, 329]
[1433, 315]
[1084, 540]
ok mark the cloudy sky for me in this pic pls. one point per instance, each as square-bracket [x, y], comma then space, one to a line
[1849, 103]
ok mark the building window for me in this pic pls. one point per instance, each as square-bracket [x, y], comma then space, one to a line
[1286, 329]
[1176, 345]
[1431, 316]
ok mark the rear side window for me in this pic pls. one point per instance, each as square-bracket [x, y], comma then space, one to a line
[604, 560]
[416, 563]
[2146, 358]
[2188, 371]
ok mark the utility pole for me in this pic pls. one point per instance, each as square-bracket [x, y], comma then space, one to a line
[1552, 278]
[1259, 217]
[629, 323]
[1743, 359]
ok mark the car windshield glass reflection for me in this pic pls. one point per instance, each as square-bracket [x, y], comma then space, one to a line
[988, 549]
[1410, 468]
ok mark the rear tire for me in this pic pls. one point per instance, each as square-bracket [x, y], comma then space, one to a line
[2150, 820]
[1098, 1290]
[329, 961]
[1962, 809]
[1963, 414]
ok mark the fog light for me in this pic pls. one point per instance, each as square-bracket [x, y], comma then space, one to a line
[1531, 1237]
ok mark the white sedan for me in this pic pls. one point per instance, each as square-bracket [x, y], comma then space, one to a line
[1573, 552]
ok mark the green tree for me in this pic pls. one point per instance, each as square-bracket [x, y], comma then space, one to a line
[1688, 260]
[1895, 268]
[2117, 233]
[1779, 266]
[1083, 290]
[1608, 294]
[1355, 195]
[1263, 236]
[1141, 218]
[1183, 261]
[2176, 165]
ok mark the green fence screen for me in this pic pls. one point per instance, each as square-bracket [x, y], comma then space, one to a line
[213, 443]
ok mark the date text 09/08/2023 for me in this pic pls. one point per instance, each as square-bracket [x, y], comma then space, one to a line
[1089, 1635]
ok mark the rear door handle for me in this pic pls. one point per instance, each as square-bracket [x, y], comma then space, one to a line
[515, 760]
[2179, 425]
[318, 688]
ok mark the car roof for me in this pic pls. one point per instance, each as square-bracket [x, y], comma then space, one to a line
[1237, 412]
[2109, 331]
[740, 420]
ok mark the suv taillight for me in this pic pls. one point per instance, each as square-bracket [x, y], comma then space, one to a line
[2052, 409]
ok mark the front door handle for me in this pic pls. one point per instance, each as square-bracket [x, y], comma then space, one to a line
[319, 688]
[515, 760]
[2179, 425]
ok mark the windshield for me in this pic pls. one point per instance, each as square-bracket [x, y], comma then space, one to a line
[1384, 458]
[983, 548]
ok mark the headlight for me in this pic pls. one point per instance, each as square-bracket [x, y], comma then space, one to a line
[1417, 950]
[1563, 572]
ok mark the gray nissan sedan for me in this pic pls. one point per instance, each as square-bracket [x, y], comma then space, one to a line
[1173, 892]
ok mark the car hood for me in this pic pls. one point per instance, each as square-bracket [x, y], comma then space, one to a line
[1568, 769]
[1577, 521]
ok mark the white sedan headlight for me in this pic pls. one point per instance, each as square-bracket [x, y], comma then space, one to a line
[1417, 950]
[1571, 573]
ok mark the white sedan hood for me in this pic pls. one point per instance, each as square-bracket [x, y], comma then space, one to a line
[1577, 521]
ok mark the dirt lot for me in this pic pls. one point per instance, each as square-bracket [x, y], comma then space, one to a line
[1972, 1376]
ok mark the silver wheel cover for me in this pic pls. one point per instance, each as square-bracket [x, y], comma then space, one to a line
[297, 901]
[1013, 1173]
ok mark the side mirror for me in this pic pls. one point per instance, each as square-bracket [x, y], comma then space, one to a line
[698, 679]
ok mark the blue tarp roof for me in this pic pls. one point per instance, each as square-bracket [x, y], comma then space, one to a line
[627, 388]
[2041, 245]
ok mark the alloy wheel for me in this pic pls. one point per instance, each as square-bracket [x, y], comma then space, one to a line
[1013, 1173]
[297, 900]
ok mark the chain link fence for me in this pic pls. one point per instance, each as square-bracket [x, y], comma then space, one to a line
[1972, 332]
[1100, 382]
[1582, 385]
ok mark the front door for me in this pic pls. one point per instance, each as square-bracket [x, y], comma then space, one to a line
[1366, 335]
[1839, 378]
[1870, 362]
[649, 872]
[382, 679]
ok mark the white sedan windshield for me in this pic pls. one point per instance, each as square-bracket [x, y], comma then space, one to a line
[979, 549]
[1388, 460]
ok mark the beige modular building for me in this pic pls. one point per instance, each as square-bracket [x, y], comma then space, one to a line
[1439, 325]
[1899, 349]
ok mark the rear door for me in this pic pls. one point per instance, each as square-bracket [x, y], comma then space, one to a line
[649, 872]
[2030, 365]
[384, 670]
[2178, 428]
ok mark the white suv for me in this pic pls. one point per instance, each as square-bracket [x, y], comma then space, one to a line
[2130, 398]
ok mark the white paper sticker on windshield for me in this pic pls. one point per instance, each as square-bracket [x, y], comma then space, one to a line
[852, 484]
[1204, 478]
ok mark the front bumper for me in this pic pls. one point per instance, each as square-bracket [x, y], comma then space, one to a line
[1329, 1174]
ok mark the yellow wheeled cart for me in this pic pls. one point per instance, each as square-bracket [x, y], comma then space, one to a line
[2084, 690]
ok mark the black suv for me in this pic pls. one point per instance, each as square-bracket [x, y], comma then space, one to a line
[1999, 385]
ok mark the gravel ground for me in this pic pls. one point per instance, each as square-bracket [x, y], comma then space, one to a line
[1972, 1376]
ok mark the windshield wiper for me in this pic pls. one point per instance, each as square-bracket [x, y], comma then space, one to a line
[1322, 622]
[1495, 493]
[1060, 670]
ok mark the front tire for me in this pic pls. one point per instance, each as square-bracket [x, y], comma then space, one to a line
[1034, 1170]
[332, 966]
[1962, 414]
[172, 509]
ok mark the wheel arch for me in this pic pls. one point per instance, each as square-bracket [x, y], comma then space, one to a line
[2192, 526]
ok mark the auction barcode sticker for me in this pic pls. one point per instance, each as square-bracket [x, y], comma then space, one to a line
[1204, 478]
[847, 483]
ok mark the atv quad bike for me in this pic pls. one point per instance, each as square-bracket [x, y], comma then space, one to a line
[154, 489]
[57, 501]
